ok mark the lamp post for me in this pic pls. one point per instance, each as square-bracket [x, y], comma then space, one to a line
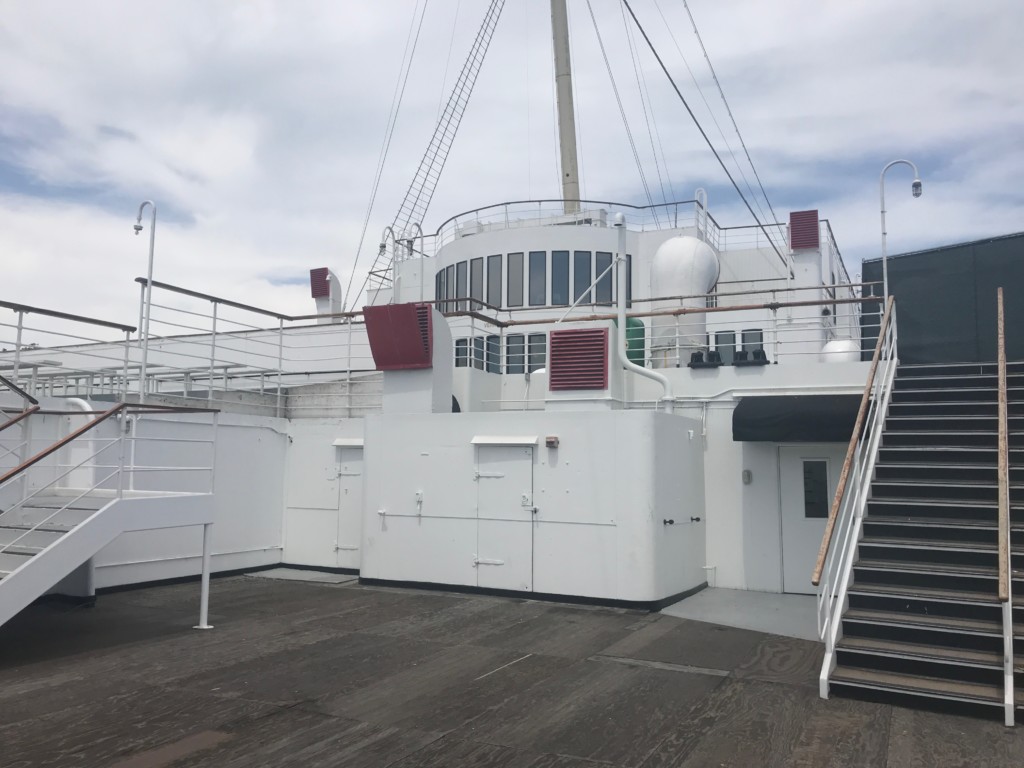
[149, 291]
[916, 189]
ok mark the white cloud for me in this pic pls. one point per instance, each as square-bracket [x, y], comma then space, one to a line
[256, 127]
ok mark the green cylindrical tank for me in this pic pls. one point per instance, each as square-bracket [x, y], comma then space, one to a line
[635, 350]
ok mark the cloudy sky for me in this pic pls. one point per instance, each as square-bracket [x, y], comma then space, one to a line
[256, 127]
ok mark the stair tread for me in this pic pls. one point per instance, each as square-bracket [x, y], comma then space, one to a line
[926, 593]
[886, 647]
[939, 522]
[919, 502]
[952, 483]
[941, 569]
[929, 686]
[959, 546]
[50, 528]
[979, 626]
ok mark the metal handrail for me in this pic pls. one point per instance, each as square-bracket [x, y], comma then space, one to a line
[18, 390]
[826, 541]
[65, 316]
[1004, 482]
[18, 417]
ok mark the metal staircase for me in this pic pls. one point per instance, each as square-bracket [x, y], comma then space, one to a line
[63, 503]
[924, 616]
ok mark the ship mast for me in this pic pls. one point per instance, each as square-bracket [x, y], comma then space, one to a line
[566, 116]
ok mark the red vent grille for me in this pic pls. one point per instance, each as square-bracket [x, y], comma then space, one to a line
[803, 230]
[579, 359]
[399, 336]
[319, 283]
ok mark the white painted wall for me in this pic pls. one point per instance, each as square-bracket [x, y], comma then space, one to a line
[598, 530]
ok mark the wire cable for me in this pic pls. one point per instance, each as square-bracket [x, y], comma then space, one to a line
[411, 41]
[700, 128]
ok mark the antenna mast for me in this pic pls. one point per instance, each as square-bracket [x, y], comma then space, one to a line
[566, 116]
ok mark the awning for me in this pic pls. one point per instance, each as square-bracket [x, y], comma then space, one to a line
[795, 418]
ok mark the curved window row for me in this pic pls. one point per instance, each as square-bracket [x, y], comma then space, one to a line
[523, 353]
[533, 278]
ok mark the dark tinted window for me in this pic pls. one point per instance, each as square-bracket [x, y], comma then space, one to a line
[725, 344]
[461, 353]
[494, 280]
[815, 488]
[449, 287]
[515, 356]
[603, 291]
[478, 352]
[629, 280]
[559, 278]
[439, 286]
[581, 278]
[460, 284]
[753, 339]
[476, 281]
[515, 280]
[538, 278]
[493, 354]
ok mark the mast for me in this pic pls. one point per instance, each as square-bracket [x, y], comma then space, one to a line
[566, 117]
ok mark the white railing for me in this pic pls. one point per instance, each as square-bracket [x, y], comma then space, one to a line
[834, 567]
[1005, 549]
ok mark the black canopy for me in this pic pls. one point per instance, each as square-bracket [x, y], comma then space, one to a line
[795, 418]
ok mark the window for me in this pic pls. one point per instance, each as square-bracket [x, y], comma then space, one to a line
[815, 488]
[494, 280]
[462, 353]
[538, 352]
[559, 278]
[515, 355]
[439, 286]
[538, 278]
[460, 284]
[752, 339]
[515, 280]
[711, 300]
[603, 290]
[581, 278]
[725, 345]
[493, 354]
[478, 352]
[449, 287]
[476, 281]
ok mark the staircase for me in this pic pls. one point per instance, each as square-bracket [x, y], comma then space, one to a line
[923, 622]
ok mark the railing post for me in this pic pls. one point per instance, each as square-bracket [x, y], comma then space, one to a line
[124, 370]
[122, 429]
[1005, 596]
[348, 368]
[204, 589]
[17, 347]
[213, 353]
[280, 361]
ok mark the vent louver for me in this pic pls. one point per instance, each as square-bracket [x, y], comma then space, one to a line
[579, 359]
[319, 284]
[803, 230]
[423, 318]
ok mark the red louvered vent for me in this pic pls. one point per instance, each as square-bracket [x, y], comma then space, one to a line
[803, 230]
[579, 359]
[319, 283]
[399, 336]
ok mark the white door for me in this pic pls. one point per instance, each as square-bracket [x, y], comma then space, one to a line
[504, 556]
[807, 480]
[350, 506]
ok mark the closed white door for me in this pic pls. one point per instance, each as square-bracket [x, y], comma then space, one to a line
[807, 478]
[504, 556]
[350, 506]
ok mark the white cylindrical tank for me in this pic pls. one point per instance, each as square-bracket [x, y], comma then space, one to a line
[682, 266]
[841, 351]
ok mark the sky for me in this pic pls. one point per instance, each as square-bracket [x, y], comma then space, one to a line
[257, 127]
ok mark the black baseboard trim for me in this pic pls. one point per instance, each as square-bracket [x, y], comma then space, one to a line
[320, 568]
[184, 579]
[75, 601]
[639, 605]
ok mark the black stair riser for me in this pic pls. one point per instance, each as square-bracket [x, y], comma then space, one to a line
[943, 455]
[902, 490]
[878, 528]
[925, 439]
[986, 382]
[965, 408]
[927, 395]
[983, 585]
[882, 507]
[906, 607]
[920, 667]
[977, 367]
[923, 637]
[896, 698]
[911, 555]
[950, 424]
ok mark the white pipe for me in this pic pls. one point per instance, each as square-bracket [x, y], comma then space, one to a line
[204, 588]
[566, 116]
[668, 398]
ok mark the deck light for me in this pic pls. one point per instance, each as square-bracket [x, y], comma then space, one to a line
[916, 189]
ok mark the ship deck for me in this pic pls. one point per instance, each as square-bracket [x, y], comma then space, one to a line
[315, 674]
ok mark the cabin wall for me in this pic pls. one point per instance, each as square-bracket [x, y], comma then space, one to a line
[248, 502]
[602, 497]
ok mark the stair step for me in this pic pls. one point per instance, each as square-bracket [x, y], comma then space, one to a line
[921, 651]
[923, 621]
[918, 685]
[26, 537]
[938, 544]
[951, 523]
[926, 593]
[11, 560]
[936, 569]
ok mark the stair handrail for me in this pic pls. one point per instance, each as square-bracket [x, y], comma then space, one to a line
[20, 416]
[18, 391]
[1005, 566]
[31, 403]
[851, 449]
[33, 460]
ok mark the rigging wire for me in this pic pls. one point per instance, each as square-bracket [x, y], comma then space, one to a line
[645, 99]
[711, 113]
[622, 111]
[700, 128]
[411, 41]
[447, 62]
[727, 109]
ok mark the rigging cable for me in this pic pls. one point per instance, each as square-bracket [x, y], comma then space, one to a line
[396, 104]
[447, 62]
[701, 129]
[711, 113]
[727, 109]
[622, 112]
[645, 100]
